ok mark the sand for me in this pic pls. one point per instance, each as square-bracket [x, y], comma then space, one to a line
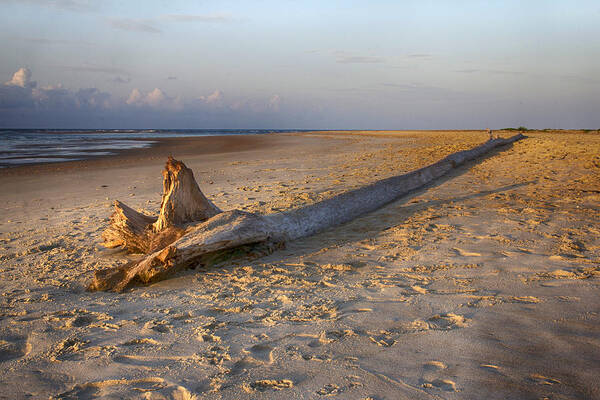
[485, 284]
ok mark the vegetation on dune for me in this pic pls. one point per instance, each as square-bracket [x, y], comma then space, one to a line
[524, 129]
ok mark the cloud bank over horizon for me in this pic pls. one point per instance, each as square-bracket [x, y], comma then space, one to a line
[309, 65]
[54, 106]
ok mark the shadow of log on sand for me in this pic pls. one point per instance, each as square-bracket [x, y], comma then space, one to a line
[190, 228]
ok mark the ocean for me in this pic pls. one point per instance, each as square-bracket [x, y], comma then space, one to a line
[34, 146]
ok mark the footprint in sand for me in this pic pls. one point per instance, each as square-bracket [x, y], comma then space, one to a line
[329, 390]
[141, 341]
[385, 339]
[80, 318]
[262, 352]
[12, 347]
[264, 384]
[161, 326]
[153, 387]
[490, 368]
[339, 334]
[431, 377]
[443, 384]
[70, 349]
[320, 341]
[243, 365]
[465, 253]
[434, 366]
[209, 337]
[523, 299]
[354, 381]
[543, 380]
[446, 322]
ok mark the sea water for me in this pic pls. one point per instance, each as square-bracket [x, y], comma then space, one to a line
[33, 146]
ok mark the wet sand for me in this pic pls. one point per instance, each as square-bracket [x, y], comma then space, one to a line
[482, 285]
[159, 150]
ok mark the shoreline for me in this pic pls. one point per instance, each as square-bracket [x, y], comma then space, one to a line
[161, 148]
[218, 144]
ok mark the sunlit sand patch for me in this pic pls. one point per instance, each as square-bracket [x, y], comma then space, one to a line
[524, 299]
[275, 384]
[435, 365]
[437, 267]
[150, 388]
[330, 389]
[447, 321]
[568, 298]
[575, 273]
[543, 380]
[419, 289]
[70, 349]
[209, 337]
[443, 384]
[337, 267]
[141, 341]
[490, 368]
[384, 339]
[465, 253]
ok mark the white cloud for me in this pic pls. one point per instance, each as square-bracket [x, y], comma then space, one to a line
[154, 99]
[135, 97]
[21, 91]
[22, 78]
[22, 103]
[212, 98]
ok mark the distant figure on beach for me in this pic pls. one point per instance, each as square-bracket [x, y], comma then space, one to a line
[490, 133]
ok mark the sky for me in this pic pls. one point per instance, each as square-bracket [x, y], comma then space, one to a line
[291, 64]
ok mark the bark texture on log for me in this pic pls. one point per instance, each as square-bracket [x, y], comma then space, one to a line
[236, 228]
[225, 231]
[182, 200]
[345, 207]
[128, 229]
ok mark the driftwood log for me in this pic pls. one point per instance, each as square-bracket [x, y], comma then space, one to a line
[190, 227]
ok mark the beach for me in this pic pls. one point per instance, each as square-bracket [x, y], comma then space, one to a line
[483, 284]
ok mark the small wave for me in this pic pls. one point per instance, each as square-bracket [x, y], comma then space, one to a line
[31, 146]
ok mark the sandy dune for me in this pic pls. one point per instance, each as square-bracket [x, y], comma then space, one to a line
[482, 285]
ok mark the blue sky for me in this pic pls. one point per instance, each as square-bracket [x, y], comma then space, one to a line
[291, 64]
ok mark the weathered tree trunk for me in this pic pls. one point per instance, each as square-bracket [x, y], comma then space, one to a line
[182, 203]
[128, 229]
[182, 200]
[236, 228]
